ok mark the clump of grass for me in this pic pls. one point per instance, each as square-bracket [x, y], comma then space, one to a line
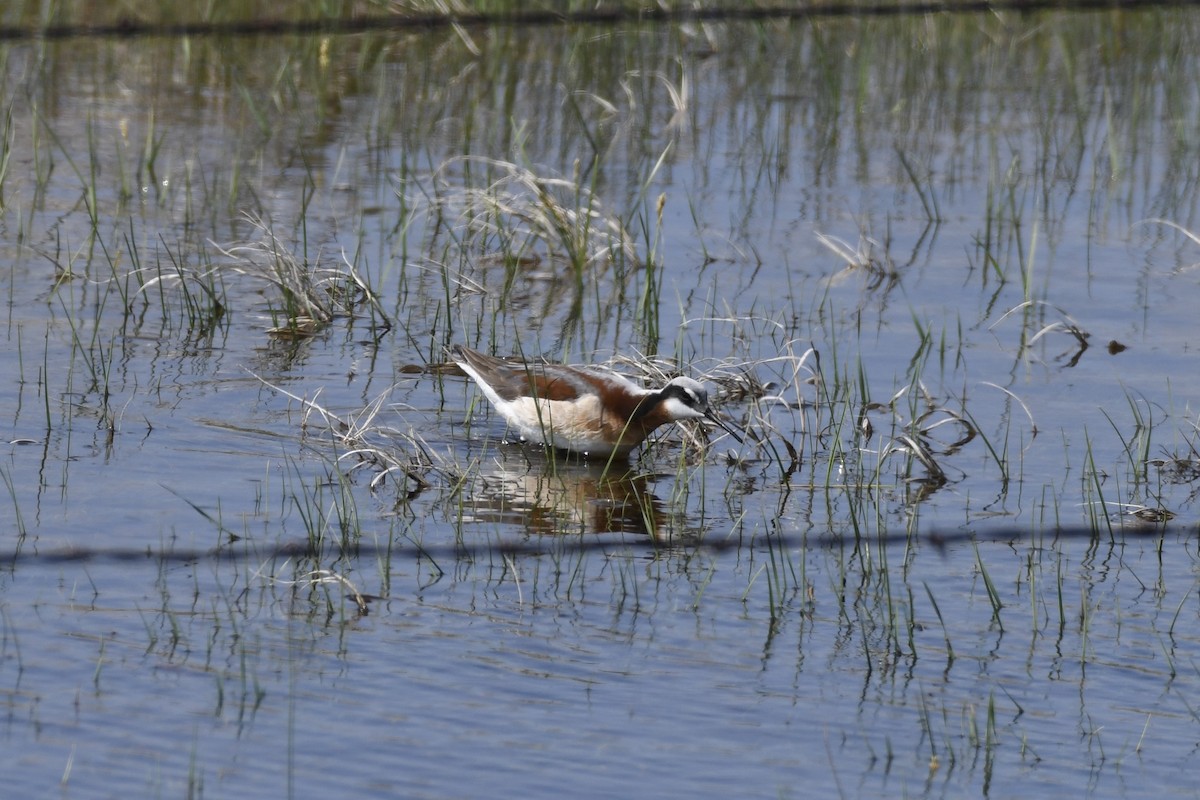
[1178, 468]
[310, 296]
[869, 257]
[524, 215]
[202, 296]
[320, 577]
[366, 444]
[789, 381]
[1031, 311]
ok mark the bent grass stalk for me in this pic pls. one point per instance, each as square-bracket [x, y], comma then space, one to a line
[945, 633]
[993, 595]
[12, 493]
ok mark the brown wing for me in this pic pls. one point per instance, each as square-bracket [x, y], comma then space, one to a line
[554, 384]
[511, 378]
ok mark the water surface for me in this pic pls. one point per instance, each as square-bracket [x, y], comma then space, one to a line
[992, 593]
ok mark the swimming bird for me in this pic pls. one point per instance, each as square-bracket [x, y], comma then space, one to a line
[584, 410]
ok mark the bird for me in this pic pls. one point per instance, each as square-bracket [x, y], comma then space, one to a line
[581, 409]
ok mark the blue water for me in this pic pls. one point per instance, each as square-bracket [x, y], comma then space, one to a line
[716, 623]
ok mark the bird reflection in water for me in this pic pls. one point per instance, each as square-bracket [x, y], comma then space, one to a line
[548, 493]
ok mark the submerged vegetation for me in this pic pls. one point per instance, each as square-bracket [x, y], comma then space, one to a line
[970, 461]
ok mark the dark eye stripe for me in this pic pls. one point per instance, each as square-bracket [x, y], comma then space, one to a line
[688, 395]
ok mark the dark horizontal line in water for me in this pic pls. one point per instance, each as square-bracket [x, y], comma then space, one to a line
[358, 24]
[548, 543]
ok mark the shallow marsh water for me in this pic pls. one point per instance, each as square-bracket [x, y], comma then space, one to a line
[995, 592]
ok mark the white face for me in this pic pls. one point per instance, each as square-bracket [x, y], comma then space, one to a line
[694, 403]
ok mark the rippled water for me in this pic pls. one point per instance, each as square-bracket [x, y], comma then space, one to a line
[936, 267]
